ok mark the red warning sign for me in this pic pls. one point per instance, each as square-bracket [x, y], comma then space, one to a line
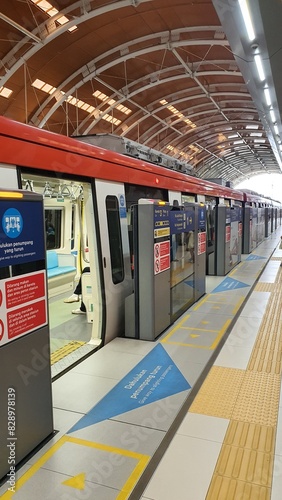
[24, 305]
[161, 256]
[201, 243]
[24, 289]
[25, 319]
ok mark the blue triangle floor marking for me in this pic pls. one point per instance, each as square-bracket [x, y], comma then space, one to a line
[154, 378]
[229, 284]
[255, 257]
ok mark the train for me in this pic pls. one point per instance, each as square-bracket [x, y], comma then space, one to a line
[88, 194]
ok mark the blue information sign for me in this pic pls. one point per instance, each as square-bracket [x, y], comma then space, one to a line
[177, 221]
[161, 216]
[202, 219]
[21, 238]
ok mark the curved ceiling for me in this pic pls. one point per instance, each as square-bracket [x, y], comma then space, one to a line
[156, 72]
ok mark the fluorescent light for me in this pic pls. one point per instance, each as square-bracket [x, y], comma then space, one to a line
[267, 96]
[252, 126]
[272, 116]
[258, 62]
[247, 19]
[276, 130]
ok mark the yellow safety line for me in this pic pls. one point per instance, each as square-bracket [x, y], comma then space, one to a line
[238, 305]
[220, 334]
[133, 478]
[105, 447]
[179, 325]
[65, 350]
[201, 302]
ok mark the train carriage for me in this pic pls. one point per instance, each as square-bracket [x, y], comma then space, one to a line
[88, 194]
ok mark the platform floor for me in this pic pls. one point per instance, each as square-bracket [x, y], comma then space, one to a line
[195, 415]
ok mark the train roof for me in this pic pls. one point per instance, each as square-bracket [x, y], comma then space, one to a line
[75, 157]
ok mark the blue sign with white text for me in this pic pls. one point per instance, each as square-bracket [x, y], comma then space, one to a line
[202, 218]
[154, 378]
[21, 232]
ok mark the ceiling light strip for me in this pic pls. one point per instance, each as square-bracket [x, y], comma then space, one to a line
[247, 19]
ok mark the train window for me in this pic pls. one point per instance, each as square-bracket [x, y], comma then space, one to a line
[187, 198]
[116, 254]
[53, 226]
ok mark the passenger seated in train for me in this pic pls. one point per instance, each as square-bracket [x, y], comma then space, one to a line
[77, 294]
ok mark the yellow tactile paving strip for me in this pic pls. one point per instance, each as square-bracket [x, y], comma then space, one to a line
[264, 287]
[65, 350]
[219, 392]
[267, 352]
[250, 400]
[258, 399]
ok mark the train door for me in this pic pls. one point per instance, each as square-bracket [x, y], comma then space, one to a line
[118, 283]
[210, 244]
[71, 245]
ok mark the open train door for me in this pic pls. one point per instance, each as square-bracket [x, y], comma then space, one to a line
[112, 220]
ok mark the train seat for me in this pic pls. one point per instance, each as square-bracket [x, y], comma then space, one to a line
[61, 272]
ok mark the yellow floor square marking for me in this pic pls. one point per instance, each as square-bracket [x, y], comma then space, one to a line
[65, 350]
[212, 346]
[142, 462]
[218, 300]
[219, 392]
[211, 298]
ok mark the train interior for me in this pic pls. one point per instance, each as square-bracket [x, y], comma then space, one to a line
[68, 232]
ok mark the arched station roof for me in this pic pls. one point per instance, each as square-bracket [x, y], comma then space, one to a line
[180, 77]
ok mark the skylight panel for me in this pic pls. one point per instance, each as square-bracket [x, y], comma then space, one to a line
[5, 92]
[105, 98]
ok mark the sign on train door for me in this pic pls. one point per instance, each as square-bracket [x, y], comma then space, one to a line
[115, 254]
